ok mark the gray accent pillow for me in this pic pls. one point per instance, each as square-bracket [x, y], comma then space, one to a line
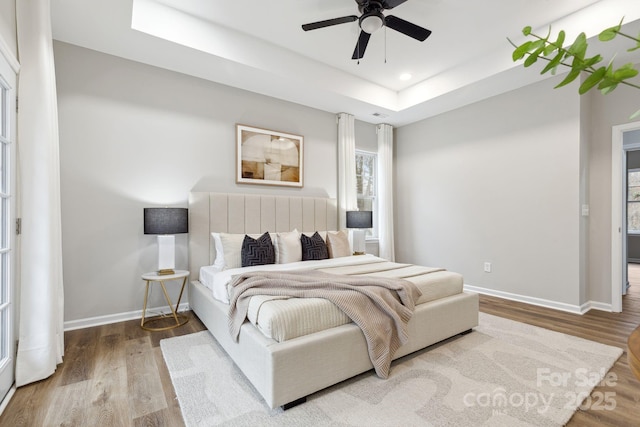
[258, 251]
[313, 248]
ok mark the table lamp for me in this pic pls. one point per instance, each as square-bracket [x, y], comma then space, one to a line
[165, 222]
[359, 220]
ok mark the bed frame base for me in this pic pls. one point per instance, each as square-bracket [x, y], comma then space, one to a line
[288, 371]
[294, 403]
[304, 399]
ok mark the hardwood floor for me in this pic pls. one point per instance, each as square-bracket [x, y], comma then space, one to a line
[114, 375]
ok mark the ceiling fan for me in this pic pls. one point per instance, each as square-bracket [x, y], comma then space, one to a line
[370, 20]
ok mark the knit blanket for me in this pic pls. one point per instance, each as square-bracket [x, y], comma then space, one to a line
[381, 307]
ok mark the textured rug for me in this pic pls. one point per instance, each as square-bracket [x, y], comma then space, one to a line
[504, 373]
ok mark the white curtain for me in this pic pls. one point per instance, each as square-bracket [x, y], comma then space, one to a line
[385, 191]
[41, 344]
[347, 196]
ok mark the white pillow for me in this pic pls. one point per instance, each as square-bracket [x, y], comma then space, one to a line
[232, 248]
[288, 247]
[229, 249]
[338, 244]
[217, 243]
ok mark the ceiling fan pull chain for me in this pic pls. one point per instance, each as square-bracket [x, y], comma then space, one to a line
[385, 44]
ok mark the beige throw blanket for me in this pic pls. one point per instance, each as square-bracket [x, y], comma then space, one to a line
[381, 307]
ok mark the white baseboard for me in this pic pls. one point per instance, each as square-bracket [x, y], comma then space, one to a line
[7, 398]
[119, 317]
[540, 301]
[596, 305]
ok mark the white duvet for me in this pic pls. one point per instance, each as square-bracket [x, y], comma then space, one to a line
[283, 318]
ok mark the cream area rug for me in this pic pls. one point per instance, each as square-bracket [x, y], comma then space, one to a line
[504, 373]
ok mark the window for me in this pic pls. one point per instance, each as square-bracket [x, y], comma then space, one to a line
[633, 201]
[367, 186]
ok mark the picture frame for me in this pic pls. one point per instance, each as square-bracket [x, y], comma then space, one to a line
[268, 157]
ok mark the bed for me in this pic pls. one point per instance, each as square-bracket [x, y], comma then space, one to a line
[286, 369]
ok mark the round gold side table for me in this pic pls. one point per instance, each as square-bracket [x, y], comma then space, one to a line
[154, 277]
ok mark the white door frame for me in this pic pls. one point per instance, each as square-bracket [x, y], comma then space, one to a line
[618, 221]
[8, 74]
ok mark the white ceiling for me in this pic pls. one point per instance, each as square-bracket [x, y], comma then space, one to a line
[260, 46]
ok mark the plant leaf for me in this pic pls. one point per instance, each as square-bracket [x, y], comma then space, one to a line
[593, 79]
[560, 40]
[521, 50]
[573, 74]
[592, 61]
[609, 34]
[579, 46]
[549, 49]
[526, 30]
[608, 87]
[635, 115]
[533, 57]
[553, 63]
[625, 72]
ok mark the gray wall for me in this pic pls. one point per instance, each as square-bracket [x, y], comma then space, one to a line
[8, 25]
[135, 136]
[498, 181]
[366, 137]
[503, 181]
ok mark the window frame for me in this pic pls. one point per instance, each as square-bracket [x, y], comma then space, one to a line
[629, 230]
[372, 233]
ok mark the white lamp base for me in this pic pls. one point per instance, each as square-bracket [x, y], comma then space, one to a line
[358, 242]
[166, 254]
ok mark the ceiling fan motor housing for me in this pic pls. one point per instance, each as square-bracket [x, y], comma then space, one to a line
[371, 19]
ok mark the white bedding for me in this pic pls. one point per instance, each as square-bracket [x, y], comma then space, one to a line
[217, 280]
[283, 318]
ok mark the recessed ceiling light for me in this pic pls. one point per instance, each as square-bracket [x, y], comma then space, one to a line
[405, 76]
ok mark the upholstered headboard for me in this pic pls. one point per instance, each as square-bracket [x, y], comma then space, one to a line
[250, 214]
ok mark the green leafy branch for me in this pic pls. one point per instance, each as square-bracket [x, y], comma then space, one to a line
[604, 78]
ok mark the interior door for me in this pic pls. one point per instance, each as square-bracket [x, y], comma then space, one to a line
[7, 225]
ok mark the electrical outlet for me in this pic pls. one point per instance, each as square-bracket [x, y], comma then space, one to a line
[487, 267]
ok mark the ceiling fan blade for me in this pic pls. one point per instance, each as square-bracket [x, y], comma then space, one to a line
[407, 28]
[390, 4]
[329, 22]
[361, 46]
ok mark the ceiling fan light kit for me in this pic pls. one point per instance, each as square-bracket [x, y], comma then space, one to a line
[371, 22]
[371, 19]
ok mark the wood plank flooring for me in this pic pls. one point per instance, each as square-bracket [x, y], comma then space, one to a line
[114, 375]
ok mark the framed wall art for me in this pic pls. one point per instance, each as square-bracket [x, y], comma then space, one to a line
[268, 157]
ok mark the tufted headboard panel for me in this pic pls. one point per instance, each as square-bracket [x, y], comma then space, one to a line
[250, 214]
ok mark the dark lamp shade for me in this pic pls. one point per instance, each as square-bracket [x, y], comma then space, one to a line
[166, 220]
[359, 219]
